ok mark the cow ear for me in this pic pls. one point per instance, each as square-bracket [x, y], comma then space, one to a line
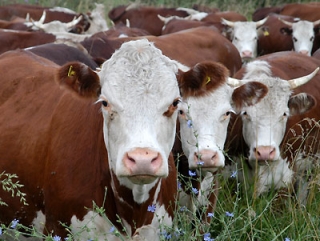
[286, 31]
[248, 94]
[301, 103]
[80, 79]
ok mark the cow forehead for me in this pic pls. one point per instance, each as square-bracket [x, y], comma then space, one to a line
[139, 71]
[245, 27]
[301, 27]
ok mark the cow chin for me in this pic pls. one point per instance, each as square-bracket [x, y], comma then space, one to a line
[142, 179]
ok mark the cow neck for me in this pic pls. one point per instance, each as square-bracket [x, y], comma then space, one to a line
[135, 214]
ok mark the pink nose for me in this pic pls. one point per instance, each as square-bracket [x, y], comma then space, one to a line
[246, 54]
[263, 153]
[142, 161]
[305, 52]
[207, 158]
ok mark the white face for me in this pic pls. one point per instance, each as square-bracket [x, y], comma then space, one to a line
[138, 87]
[302, 37]
[245, 39]
[264, 123]
[203, 128]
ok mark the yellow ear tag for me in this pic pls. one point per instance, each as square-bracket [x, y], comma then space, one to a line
[208, 80]
[266, 33]
[71, 72]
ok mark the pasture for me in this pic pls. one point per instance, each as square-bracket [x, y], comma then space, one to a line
[240, 214]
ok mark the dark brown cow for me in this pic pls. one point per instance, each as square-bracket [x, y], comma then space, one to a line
[200, 44]
[144, 17]
[304, 11]
[35, 12]
[281, 130]
[63, 53]
[11, 39]
[14, 25]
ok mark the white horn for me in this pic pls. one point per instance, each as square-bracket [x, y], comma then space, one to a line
[262, 21]
[294, 83]
[233, 82]
[43, 17]
[285, 22]
[74, 22]
[316, 22]
[226, 22]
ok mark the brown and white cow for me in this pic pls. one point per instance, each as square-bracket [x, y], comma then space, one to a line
[276, 130]
[55, 137]
[204, 114]
[244, 36]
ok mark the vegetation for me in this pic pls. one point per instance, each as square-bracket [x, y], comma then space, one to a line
[239, 215]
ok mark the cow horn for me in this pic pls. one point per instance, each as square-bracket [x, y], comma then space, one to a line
[233, 82]
[43, 17]
[262, 21]
[226, 22]
[316, 22]
[294, 83]
[74, 22]
[285, 22]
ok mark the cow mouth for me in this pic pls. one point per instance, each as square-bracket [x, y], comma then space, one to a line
[142, 179]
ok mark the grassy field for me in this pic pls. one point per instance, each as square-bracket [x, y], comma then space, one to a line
[239, 215]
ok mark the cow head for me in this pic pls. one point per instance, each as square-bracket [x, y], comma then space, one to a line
[139, 100]
[303, 34]
[264, 124]
[205, 112]
[245, 37]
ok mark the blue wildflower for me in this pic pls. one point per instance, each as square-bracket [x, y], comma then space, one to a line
[189, 123]
[192, 174]
[195, 191]
[210, 215]
[179, 185]
[0, 231]
[229, 214]
[200, 163]
[56, 238]
[14, 223]
[152, 208]
[206, 237]
[184, 208]
[286, 239]
[233, 174]
[112, 229]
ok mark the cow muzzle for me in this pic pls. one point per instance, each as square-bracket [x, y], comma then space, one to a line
[143, 166]
[264, 154]
[207, 160]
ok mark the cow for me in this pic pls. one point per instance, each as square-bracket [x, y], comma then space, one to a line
[244, 36]
[62, 53]
[78, 139]
[206, 107]
[304, 11]
[200, 44]
[12, 39]
[274, 135]
[35, 12]
[282, 33]
[145, 18]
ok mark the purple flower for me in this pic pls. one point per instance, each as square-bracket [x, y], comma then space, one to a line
[189, 123]
[179, 185]
[152, 208]
[14, 223]
[206, 237]
[200, 163]
[183, 208]
[210, 215]
[195, 191]
[233, 174]
[112, 229]
[229, 214]
[192, 174]
[56, 238]
[286, 239]
[0, 231]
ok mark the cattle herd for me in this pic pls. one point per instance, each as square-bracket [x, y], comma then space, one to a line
[121, 117]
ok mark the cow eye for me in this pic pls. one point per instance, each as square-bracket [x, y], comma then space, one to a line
[181, 112]
[176, 102]
[311, 39]
[294, 39]
[244, 113]
[104, 103]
